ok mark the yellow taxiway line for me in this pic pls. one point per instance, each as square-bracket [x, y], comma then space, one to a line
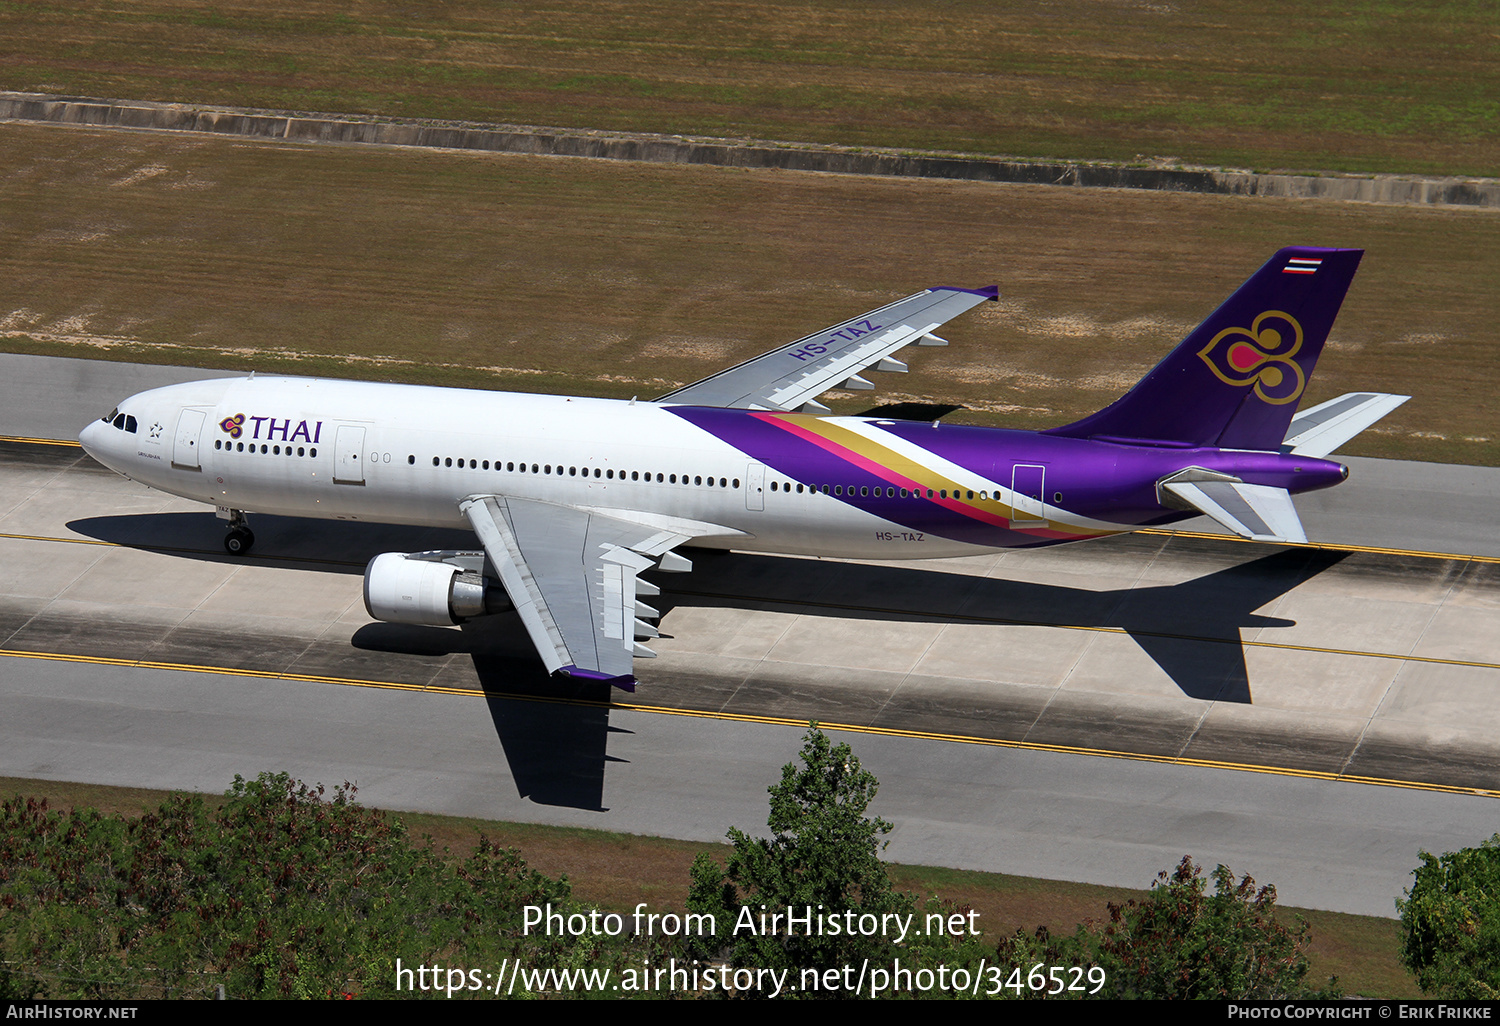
[1325, 546]
[855, 728]
[40, 441]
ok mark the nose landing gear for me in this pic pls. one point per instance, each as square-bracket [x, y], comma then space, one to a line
[238, 541]
[239, 538]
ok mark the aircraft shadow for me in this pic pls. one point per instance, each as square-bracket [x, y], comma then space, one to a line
[1190, 630]
[557, 748]
[554, 731]
[341, 546]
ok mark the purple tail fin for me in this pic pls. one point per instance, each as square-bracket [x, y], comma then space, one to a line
[1234, 382]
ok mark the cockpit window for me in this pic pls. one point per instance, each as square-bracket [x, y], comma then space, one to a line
[120, 421]
[110, 415]
[130, 424]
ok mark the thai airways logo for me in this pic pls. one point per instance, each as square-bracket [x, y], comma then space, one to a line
[272, 429]
[1260, 355]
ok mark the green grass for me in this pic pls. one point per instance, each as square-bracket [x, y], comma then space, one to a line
[1362, 86]
[615, 871]
[616, 279]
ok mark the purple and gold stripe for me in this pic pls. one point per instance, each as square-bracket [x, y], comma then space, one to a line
[823, 450]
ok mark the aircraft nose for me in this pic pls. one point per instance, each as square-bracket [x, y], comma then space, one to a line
[97, 440]
[89, 437]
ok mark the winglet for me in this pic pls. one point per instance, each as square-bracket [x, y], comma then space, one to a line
[625, 682]
[990, 292]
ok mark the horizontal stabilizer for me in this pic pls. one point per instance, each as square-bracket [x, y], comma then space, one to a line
[1257, 512]
[1323, 428]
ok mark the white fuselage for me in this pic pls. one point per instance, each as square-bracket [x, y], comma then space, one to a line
[409, 454]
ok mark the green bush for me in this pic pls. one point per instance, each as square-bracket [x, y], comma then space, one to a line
[1182, 942]
[278, 893]
[1450, 923]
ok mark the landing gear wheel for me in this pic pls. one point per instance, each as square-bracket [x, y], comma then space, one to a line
[238, 541]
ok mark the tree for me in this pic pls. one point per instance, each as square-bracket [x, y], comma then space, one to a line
[1450, 923]
[279, 892]
[1182, 942]
[823, 854]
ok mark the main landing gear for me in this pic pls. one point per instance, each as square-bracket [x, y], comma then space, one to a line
[240, 538]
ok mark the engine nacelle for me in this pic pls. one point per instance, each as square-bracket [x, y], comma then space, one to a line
[423, 588]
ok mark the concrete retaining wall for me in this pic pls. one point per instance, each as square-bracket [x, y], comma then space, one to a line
[662, 149]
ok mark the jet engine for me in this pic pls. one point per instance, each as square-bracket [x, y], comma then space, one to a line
[435, 589]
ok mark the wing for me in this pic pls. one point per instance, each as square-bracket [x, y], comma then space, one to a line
[793, 376]
[571, 573]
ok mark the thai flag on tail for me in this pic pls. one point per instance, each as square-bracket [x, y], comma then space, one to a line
[1302, 265]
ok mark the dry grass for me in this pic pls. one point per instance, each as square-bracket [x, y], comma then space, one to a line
[565, 275]
[1361, 86]
[616, 871]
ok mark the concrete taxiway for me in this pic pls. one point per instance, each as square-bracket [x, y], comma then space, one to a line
[1188, 655]
[1341, 846]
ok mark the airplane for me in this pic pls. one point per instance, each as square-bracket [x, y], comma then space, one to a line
[574, 498]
